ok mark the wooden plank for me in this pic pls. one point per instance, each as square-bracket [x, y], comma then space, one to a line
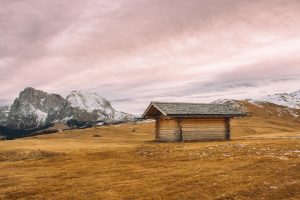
[168, 130]
[184, 137]
[204, 136]
[168, 124]
[192, 129]
[204, 132]
[189, 137]
[171, 138]
[166, 133]
[202, 129]
[167, 127]
[205, 139]
[203, 120]
[201, 124]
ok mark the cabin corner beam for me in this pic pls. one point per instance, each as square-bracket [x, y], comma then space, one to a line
[227, 124]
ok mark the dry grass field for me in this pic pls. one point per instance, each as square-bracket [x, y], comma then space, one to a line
[262, 161]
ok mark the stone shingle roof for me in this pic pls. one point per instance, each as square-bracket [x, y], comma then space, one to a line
[169, 109]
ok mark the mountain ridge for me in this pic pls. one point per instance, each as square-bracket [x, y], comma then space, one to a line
[291, 100]
[34, 108]
[288, 100]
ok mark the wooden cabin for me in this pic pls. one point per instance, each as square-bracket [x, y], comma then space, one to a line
[191, 121]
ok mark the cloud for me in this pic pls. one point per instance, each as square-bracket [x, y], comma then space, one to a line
[140, 50]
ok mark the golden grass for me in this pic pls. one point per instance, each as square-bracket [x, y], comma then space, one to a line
[126, 164]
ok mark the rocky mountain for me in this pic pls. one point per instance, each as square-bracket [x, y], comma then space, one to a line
[35, 108]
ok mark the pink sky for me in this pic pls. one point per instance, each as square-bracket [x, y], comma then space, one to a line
[136, 51]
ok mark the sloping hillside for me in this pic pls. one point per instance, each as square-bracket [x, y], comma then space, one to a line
[265, 118]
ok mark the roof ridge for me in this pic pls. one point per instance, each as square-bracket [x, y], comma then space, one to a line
[168, 102]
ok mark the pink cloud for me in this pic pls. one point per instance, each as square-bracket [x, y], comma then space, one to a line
[141, 50]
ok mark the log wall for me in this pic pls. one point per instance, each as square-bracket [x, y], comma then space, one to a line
[203, 129]
[168, 130]
[192, 129]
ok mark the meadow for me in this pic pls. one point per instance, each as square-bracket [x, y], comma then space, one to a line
[123, 162]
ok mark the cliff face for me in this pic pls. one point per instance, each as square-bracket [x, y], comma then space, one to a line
[4, 111]
[34, 108]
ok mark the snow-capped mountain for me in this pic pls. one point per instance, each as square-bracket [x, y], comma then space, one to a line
[94, 103]
[291, 100]
[87, 101]
[281, 105]
[35, 108]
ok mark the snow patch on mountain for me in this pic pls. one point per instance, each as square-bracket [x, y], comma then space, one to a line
[88, 101]
[279, 109]
[94, 103]
[41, 116]
[120, 116]
[255, 102]
[230, 102]
[293, 113]
[291, 100]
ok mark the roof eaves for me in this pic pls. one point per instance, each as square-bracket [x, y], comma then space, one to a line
[144, 114]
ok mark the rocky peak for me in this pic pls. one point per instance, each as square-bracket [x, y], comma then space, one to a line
[35, 108]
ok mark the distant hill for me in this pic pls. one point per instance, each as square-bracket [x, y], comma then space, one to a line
[264, 117]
